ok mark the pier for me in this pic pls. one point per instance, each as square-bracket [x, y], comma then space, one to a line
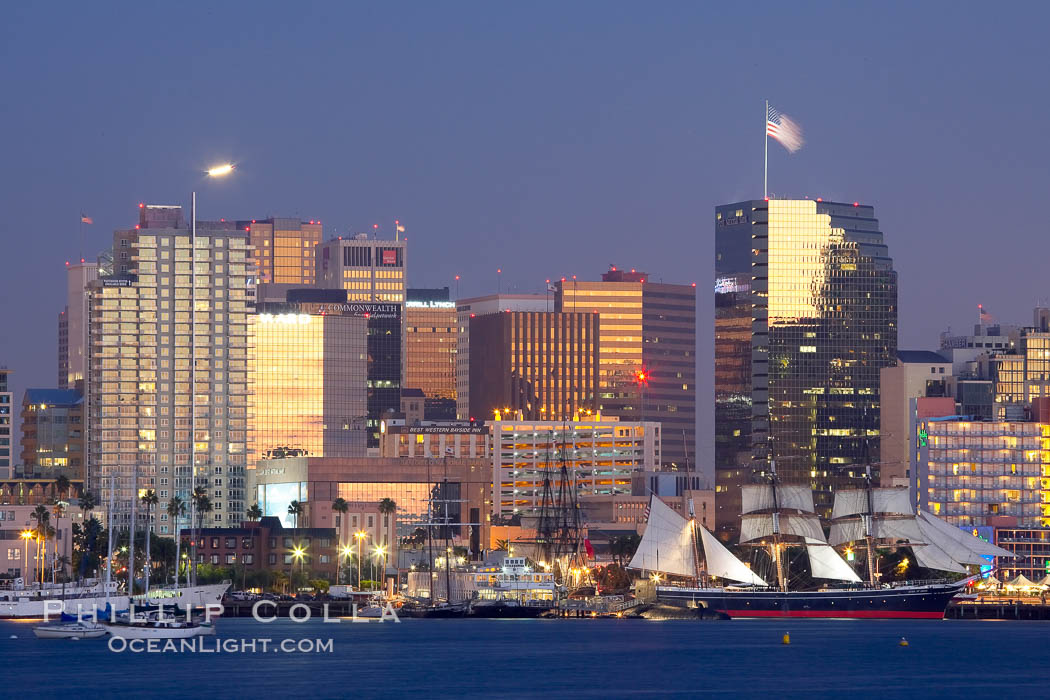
[998, 609]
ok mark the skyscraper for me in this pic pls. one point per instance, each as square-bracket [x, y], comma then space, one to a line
[543, 364]
[5, 424]
[473, 307]
[309, 396]
[284, 250]
[806, 316]
[647, 368]
[430, 350]
[148, 322]
[372, 271]
[72, 324]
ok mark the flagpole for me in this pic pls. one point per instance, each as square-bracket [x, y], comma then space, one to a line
[765, 139]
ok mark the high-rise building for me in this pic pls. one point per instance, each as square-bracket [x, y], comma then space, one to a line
[169, 363]
[52, 434]
[309, 396]
[5, 423]
[539, 365]
[284, 250]
[467, 309]
[1023, 375]
[815, 284]
[72, 324]
[372, 271]
[647, 365]
[601, 455]
[430, 350]
[918, 374]
[369, 269]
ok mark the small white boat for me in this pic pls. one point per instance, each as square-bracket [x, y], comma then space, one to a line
[75, 630]
[154, 626]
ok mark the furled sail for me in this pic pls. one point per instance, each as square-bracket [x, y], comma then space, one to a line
[667, 544]
[754, 527]
[894, 529]
[722, 563]
[883, 500]
[960, 546]
[825, 562]
[758, 497]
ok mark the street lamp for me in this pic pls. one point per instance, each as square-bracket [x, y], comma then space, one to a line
[359, 536]
[219, 170]
[346, 551]
[299, 553]
[26, 535]
[380, 551]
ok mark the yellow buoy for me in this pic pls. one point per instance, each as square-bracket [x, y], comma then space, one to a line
[903, 642]
[786, 639]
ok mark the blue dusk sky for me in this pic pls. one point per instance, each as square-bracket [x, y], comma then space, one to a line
[546, 138]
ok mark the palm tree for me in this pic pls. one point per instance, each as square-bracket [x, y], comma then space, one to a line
[59, 511]
[295, 509]
[202, 505]
[41, 515]
[176, 511]
[254, 512]
[149, 499]
[340, 506]
[387, 507]
[87, 504]
[62, 484]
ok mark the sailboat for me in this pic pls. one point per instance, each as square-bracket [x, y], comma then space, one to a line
[779, 516]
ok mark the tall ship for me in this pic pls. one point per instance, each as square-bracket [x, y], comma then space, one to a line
[780, 518]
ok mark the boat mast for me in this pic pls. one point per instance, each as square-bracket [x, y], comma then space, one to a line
[109, 525]
[776, 547]
[448, 546]
[869, 538]
[696, 548]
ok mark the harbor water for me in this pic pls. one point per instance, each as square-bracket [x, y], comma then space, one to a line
[552, 658]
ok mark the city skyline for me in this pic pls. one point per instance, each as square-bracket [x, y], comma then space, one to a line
[593, 142]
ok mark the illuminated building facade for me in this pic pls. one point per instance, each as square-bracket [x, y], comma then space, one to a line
[647, 353]
[146, 321]
[284, 250]
[977, 473]
[430, 350]
[368, 269]
[5, 423]
[52, 434]
[72, 324]
[309, 396]
[543, 365]
[473, 307]
[815, 282]
[601, 456]
[1024, 375]
[436, 440]
[409, 482]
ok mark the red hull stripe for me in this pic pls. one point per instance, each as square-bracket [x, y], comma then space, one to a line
[844, 614]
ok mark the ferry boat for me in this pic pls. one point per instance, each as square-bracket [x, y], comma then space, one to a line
[781, 515]
[513, 589]
[185, 598]
[20, 601]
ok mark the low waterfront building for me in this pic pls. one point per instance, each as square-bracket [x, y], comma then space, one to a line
[268, 545]
[26, 556]
[1031, 545]
[463, 485]
[435, 440]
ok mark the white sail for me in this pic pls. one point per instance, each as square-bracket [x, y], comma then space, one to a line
[758, 497]
[722, 563]
[825, 562]
[754, 527]
[881, 528]
[961, 546]
[667, 544]
[883, 500]
[933, 557]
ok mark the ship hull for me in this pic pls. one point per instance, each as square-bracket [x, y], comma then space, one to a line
[905, 602]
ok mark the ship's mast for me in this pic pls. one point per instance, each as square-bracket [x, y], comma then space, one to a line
[696, 547]
[778, 561]
[869, 538]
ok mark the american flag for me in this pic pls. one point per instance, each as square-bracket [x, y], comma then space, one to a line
[783, 129]
[645, 515]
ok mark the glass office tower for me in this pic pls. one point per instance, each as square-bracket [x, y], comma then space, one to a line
[816, 284]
